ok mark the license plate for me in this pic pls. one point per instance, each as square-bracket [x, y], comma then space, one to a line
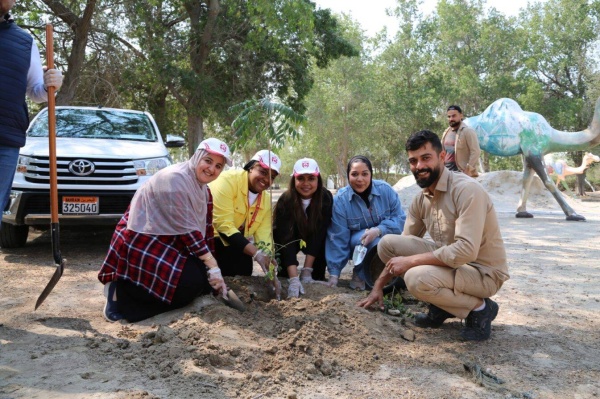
[80, 206]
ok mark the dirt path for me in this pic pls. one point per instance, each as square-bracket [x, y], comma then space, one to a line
[545, 343]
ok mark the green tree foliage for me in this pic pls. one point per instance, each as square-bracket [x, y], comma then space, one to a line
[561, 38]
[266, 118]
[339, 125]
[213, 54]
[73, 23]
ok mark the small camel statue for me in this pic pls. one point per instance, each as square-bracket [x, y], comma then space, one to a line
[561, 170]
[504, 129]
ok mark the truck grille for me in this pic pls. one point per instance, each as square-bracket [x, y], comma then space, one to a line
[106, 171]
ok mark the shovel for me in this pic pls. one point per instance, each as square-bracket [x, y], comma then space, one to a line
[233, 301]
[54, 231]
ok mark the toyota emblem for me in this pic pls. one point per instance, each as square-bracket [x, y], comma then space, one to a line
[82, 167]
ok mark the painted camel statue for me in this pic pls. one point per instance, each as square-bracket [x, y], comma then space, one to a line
[561, 170]
[504, 129]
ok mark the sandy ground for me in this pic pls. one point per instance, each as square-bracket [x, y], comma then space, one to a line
[545, 342]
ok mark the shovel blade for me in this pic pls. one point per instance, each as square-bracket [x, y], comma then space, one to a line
[51, 284]
[233, 301]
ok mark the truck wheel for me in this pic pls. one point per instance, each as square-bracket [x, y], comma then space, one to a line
[13, 236]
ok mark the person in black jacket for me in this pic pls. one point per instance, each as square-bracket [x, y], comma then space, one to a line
[22, 75]
[302, 215]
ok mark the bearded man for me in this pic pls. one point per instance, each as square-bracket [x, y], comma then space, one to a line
[461, 144]
[464, 263]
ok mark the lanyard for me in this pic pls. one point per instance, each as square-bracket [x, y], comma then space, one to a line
[256, 211]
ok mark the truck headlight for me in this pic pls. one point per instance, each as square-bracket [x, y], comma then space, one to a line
[148, 167]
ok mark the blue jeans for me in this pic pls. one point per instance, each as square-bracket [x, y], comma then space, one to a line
[8, 164]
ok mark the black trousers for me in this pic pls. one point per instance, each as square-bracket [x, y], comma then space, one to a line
[135, 303]
[319, 266]
[232, 262]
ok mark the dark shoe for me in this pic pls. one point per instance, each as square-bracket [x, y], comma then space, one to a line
[479, 324]
[111, 310]
[434, 318]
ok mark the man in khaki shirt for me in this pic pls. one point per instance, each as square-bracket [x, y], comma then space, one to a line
[461, 144]
[464, 263]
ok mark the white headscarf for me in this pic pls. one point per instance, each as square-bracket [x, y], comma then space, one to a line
[172, 202]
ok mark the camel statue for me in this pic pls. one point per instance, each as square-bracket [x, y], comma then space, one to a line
[504, 129]
[561, 170]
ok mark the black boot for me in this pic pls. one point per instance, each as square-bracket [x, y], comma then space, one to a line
[479, 324]
[434, 318]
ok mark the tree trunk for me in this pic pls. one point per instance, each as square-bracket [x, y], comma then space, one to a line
[81, 27]
[157, 104]
[195, 132]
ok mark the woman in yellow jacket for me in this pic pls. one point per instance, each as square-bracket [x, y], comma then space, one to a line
[242, 216]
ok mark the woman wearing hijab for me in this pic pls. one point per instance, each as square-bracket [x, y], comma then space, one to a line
[243, 217]
[363, 212]
[303, 213]
[161, 253]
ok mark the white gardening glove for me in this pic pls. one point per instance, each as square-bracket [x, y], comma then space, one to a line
[333, 281]
[263, 260]
[216, 281]
[306, 275]
[369, 235]
[53, 77]
[295, 288]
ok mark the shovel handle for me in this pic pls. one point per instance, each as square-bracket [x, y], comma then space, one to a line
[58, 260]
[51, 128]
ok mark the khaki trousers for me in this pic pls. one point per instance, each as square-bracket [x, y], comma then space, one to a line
[456, 290]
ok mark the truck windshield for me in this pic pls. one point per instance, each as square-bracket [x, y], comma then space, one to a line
[95, 124]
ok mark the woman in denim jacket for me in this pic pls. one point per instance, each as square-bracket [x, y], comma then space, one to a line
[363, 212]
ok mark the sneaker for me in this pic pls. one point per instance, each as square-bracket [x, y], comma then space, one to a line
[479, 324]
[111, 309]
[434, 318]
[357, 283]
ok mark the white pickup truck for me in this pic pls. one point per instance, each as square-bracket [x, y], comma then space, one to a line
[103, 156]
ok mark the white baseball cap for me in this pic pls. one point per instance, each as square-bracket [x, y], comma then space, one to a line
[268, 160]
[306, 166]
[217, 147]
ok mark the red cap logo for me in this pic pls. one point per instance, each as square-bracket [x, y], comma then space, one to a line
[305, 164]
[274, 159]
[223, 147]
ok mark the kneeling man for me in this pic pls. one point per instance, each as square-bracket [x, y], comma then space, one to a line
[464, 264]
